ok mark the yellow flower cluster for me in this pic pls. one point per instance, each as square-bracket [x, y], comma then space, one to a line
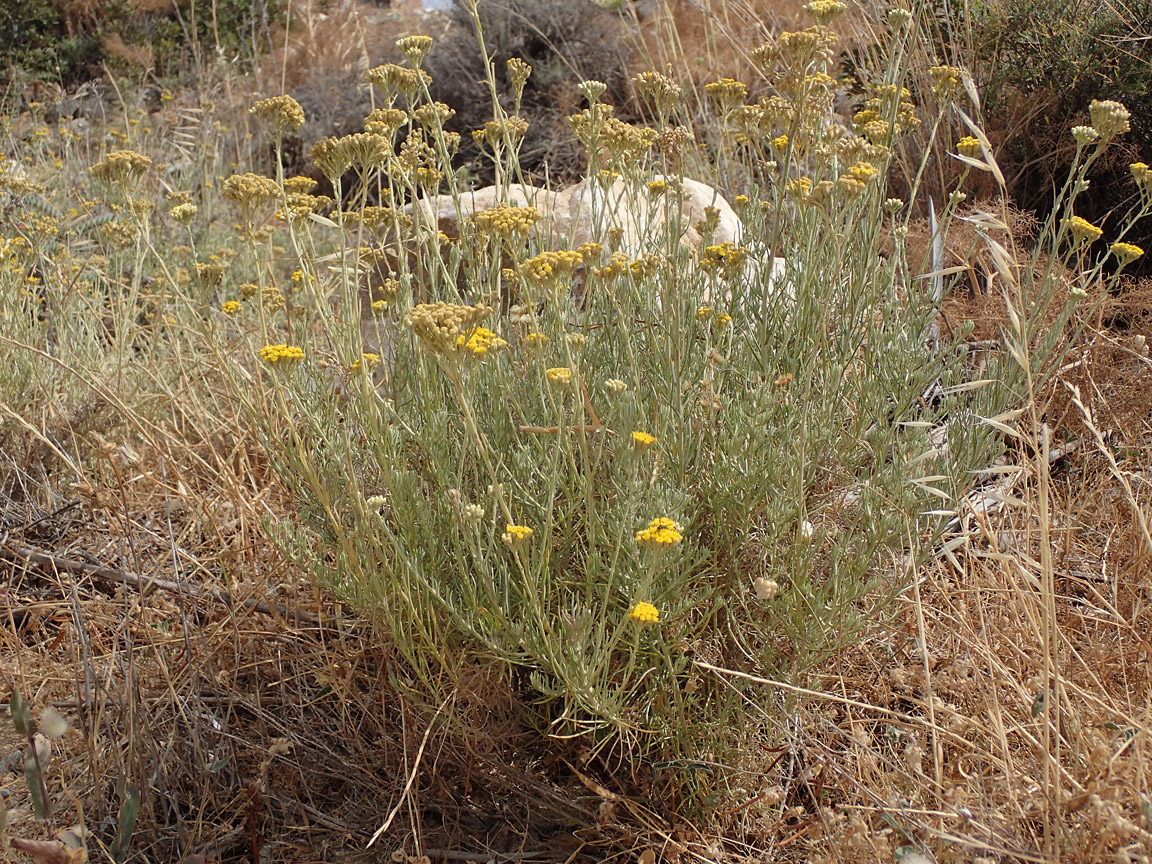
[1109, 118]
[281, 355]
[551, 269]
[385, 121]
[872, 122]
[645, 613]
[1083, 231]
[506, 222]
[623, 144]
[587, 124]
[727, 93]
[368, 361]
[559, 376]
[231, 307]
[250, 192]
[798, 188]
[1142, 174]
[660, 90]
[1126, 252]
[645, 266]
[515, 535]
[969, 146]
[800, 50]
[415, 48]
[300, 206]
[642, 440]
[534, 341]
[946, 81]
[121, 167]
[439, 326]
[496, 132]
[481, 342]
[396, 81]
[661, 533]
[823, 11]
[724, 259]
[210, 275]
[518, 71]
[590, 252]
[183, 213]
[283, 112]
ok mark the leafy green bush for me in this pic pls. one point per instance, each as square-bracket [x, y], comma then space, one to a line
[1039, 65]
[68, 43]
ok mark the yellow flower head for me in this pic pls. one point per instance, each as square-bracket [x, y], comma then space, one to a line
[1109, 118]
[415, 48]
[481, 342]
[440, 326]
[534, 341]
[281, 355]
[727, 92]
[658, 89]
[506, 222]
[515, 535]
[946, 80]
[1083, 231]
[642, 440]
[283, 112]
[367, 361]
[662, 533]
[183, 213]
[725, 259]
[969, 146]
[231, 307]
[560, 376]
[1126, 252]
[645, 613]
[823, 11]
[1142, 174]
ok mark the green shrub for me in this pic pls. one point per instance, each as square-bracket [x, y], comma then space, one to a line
[67, 44]
[496, 501]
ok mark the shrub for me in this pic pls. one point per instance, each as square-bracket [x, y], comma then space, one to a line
[565, 43]
[691, 464]
[69, 42]
[1039, 66]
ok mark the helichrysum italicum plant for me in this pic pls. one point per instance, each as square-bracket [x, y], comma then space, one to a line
[541, 404]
